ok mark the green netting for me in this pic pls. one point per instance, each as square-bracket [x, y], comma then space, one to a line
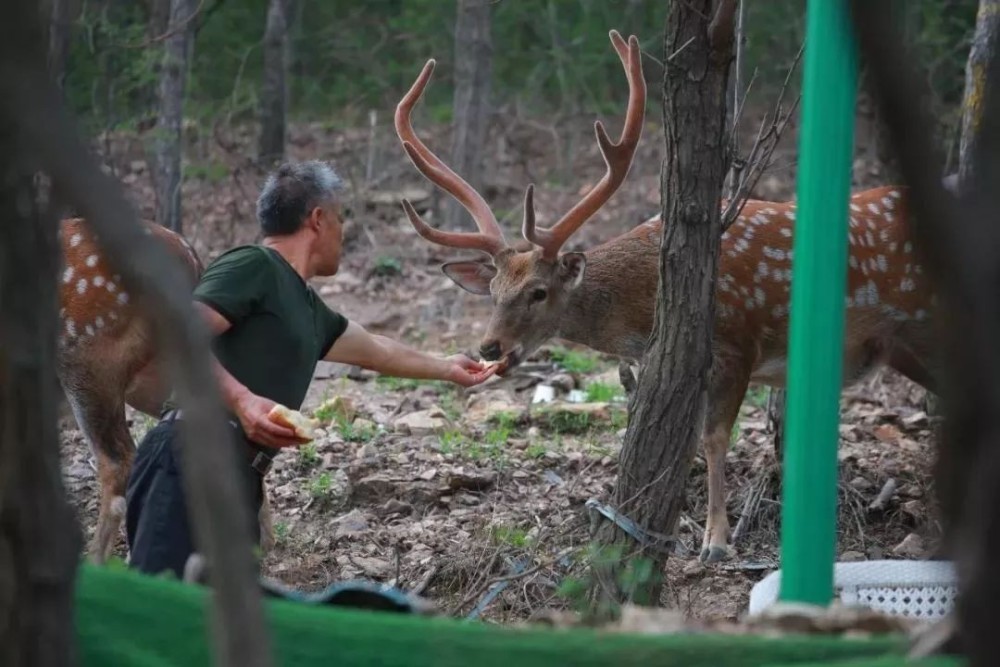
[124, 618]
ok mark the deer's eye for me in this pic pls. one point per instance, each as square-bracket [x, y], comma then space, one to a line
[539, 295]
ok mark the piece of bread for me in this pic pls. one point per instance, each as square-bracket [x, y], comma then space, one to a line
[303, 426]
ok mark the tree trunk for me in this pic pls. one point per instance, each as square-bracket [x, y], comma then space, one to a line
[668, 409]
[274, 89]
[984, 59]
[40, 540]
[168, 134]
[471, 106]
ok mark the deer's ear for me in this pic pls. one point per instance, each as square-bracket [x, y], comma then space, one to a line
[471, 275]
[571, 268]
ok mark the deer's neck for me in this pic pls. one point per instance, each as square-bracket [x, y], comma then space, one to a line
[612, 309]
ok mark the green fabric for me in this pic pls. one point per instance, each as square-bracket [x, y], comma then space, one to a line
[280, 326]
[124, 618]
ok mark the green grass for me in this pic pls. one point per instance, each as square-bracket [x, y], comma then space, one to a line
[602, 392]
[573, 361]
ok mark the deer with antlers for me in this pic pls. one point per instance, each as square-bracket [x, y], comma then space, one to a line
[605, 297]
[106, 360]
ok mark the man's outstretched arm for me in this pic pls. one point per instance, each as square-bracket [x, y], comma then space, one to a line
[359, 347]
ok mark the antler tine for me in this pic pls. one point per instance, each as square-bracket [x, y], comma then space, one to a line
[617, 156]
[436, 171]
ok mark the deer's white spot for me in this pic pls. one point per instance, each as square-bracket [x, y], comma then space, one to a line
[883, 265]
[886, 202]
[750, 304]
[75, 240]
[91, 261]
[725, 236]
[748, 233]
[855, 208]
[893, 246]
[89, 329]
[759, 219]
[774, 253]
[786, 231]
[731, 253]
[762, 268]
[99, 322]
[871, 238]
[887, 216]
[906, 285]
[113, 315]
[790, 214]
[81, 285]
[866, 295]
[98, 280]
[872, 264]
[853, 261]
[854, 221]
[759, 296]
[873, 207]
[769, 211]
[68, 274]
[111, 287]
[921, 314]
[71, 328]
[883, 236]
[918, 269]
[779, 311]
[744, 291]
[123, 298]
[907, 247]
[894, 194]
[908, 268]
[741, 245]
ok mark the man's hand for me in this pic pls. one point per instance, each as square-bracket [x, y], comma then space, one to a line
[466, 372]
[252, 410]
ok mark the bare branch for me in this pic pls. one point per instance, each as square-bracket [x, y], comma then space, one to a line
[758, 159]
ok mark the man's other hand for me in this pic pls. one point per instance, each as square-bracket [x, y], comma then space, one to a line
[252, 412]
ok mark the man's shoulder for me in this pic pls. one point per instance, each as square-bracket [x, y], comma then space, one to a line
[242, 255]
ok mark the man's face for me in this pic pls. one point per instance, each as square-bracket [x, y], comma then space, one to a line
[329, 236]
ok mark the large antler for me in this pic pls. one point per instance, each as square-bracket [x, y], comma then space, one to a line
[617, 157]
[490, 237]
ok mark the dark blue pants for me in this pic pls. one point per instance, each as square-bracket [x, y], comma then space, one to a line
[157, 524]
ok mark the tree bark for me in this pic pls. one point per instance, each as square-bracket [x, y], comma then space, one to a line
[668, 409]
[168, 134]
[274, 88]
[471, 105]
[984, 60]
[40, 540]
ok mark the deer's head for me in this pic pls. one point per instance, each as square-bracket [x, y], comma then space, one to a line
[531, 284]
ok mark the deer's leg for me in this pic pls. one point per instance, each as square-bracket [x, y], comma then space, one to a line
[147, 391]
[626, 377]
[101, 417]
[266, 520]
[728, 382]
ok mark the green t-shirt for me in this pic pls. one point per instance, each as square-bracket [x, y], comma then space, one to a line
[280, 326]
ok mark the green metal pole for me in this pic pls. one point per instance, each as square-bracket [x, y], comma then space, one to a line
[816, 329]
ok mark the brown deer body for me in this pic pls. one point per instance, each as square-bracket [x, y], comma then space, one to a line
[107, 359]
[605, 297]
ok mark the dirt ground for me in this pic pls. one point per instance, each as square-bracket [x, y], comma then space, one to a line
[445, 491]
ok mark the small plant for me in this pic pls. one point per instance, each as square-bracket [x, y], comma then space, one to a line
[756, 396]
[504, 535]
[387, 266]
[601, 392]
[351, 432]
[452, 441]
[280, 532]
[320, 485]
[536, 450]
[308, 457]
[574, 362]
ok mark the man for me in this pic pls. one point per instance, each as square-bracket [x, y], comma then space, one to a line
[270, 329]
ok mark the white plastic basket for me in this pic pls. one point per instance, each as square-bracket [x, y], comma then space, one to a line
[912, 588]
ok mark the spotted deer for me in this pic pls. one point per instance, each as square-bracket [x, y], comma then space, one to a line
[605, 297]
[107, 360]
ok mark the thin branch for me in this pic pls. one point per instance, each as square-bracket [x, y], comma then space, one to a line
[759, 158]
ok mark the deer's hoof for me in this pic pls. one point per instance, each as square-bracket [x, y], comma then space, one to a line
[713, 554]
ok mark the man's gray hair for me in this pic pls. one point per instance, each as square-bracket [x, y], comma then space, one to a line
[291, 191]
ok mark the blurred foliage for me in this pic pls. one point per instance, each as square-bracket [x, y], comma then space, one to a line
[550, 56]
